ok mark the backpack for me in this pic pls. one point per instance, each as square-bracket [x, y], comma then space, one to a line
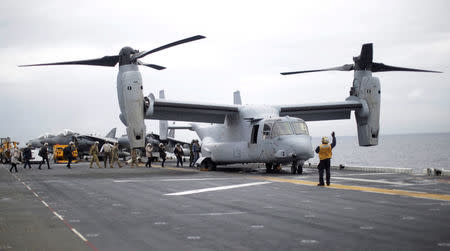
[41, 152]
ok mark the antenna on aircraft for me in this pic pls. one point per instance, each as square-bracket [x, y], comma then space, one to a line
[363, 62]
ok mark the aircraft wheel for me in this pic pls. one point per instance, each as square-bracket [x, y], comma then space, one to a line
[268, 167]
[3, 161]
[293, 169]
[300, 168]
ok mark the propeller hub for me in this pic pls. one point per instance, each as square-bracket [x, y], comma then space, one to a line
[125, 56]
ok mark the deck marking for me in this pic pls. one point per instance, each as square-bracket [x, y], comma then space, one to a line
[363, 174]
[79, 235]
[373, 181]
[415, 194]
[203, 190]
[309, 241]
[193, 179]
[216, 214]
[58, 215]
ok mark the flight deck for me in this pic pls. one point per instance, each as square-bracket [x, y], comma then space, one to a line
[238, 208]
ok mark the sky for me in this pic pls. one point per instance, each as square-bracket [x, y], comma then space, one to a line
[248, 44]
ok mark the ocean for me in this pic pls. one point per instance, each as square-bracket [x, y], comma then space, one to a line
[416, 151]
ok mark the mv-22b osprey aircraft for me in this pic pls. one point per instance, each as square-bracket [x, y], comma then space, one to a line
[248, 133]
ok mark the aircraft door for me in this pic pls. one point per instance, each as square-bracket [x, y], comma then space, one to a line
[254, 147]
[267, 141]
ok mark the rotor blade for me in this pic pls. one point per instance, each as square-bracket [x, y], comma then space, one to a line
[379, 67]
[104, 61]
[186, 40]
[366, 56]
[346, 67]
[154, 66]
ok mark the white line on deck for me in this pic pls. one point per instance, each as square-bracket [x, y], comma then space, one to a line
[363, 174]
[58, 215]
[79, 235]
[216, 214]
[218, 188]
[45, 204]
[373, 181]
[193, 179]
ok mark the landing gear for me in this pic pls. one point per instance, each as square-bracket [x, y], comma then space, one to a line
[294, 167]
[277, 168]
[269, 167]
[300, 168]
[297, 169]
[209, 165]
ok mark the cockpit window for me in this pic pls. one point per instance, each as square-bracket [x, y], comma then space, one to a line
[300, 128]
[282, 128]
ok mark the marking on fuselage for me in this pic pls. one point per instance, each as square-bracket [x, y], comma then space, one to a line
[415, 194]
[211, 189]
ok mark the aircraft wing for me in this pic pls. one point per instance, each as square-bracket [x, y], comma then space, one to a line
[163, 109]
[101, 140]
[321, 111]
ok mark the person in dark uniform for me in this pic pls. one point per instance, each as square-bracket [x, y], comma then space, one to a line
[44, 155]
[27, 156]
[162, 153]
[68, 153]
[325, 154]
[191, 154]
[178, 151]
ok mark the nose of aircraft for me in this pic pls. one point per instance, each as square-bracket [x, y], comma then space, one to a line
[300, 145]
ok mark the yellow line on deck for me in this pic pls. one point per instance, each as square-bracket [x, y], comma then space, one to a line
[416, 194]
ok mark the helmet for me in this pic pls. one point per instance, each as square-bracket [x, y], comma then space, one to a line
[325, 140]
[71, 143]
[45, 144]
[96, 142]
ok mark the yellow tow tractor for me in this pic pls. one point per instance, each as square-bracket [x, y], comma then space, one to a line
[6, 144]
[58, 154]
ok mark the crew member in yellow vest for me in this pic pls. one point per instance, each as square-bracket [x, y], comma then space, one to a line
[325, 154]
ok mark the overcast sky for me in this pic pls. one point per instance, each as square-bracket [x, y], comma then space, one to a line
[248, 44]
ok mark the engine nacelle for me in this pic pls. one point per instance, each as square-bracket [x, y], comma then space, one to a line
[368, 91]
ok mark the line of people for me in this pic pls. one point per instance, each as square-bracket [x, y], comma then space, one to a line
[25, 156]
[109, 152]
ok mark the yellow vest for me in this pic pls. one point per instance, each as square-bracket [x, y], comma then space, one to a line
[325, 152]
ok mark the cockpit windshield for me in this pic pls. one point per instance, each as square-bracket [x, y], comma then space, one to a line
[281, 128]
[300, 128]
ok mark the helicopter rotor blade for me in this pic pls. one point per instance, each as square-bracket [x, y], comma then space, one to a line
[346, 67]
[380, 67]
[186, 40]
[154, 66]
[110, 61]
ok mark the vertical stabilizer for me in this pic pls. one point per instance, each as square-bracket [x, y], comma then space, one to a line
[237, 98]
[111, 134]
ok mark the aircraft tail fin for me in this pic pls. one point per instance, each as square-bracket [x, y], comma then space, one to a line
[237, 98]
[111, 134]
[171, 133]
